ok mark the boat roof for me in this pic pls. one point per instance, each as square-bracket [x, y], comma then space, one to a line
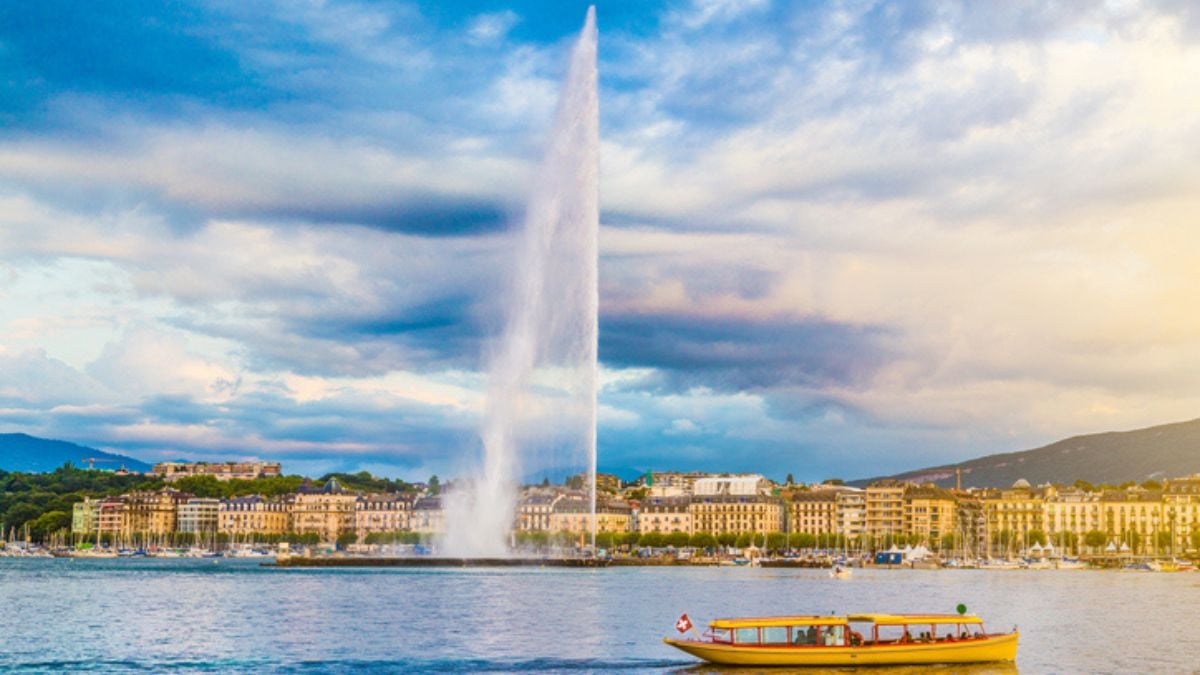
[827, 620]
[771, 621]
[901, 619]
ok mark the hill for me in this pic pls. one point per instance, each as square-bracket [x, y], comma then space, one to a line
[1164, 451]
[25, 453]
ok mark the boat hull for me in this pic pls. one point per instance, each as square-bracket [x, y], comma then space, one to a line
[985, 650]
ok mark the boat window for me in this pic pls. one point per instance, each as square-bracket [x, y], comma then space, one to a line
[892, 633]
[774, 635]
[833, 636]
[721, 635]
[745, 635]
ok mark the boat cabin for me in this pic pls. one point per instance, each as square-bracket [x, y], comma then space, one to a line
[855, 630]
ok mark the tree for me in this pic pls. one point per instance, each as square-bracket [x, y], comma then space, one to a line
[48, 523]
[1164, 541]
[790, 480]
[743, 540]
[834, 481]
[630, 538]
[678, 539]
[346, 538]
[1195, 538]
[703, 540]
[948, 542]
[652, 540]
[605, 539]
[727, 539]
[546, 482]
[802, 540]
[435, 486]
[1095, 539]
[777, 541]
[1036, 537]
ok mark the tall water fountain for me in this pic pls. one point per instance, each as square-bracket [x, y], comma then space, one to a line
[542, 372]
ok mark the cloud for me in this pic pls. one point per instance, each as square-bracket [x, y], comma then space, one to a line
[488, 28]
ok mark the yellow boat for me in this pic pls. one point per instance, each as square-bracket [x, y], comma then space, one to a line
[853, 640]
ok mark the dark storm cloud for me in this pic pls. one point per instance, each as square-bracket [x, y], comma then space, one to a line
[732, 354]
[430, 216]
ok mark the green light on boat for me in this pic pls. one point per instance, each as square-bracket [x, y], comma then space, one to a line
[962, 609]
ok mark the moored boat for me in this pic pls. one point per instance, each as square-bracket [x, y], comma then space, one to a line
[852, 640]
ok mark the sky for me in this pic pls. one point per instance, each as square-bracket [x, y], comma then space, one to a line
[838, 239]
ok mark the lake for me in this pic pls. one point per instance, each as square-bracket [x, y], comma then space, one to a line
[186, 615]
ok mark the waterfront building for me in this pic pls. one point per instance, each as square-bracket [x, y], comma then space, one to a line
[1133, 518]
[664, 514]
[327, 511]
[428, 517]
[885, 509]
[111, 520]
[534, 510]
[1070, 514]
[244, 517]
[1181, 508]
[173, 471]
[929, 513]
[736, 514]
[744, 484]
[198, 515]
[574, 515]
[382, 513]
[85, 516]
[850, 513]
[813, 512]
[153, 513]
[1012, 515]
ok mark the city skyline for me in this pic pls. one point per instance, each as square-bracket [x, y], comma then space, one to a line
[831, 236]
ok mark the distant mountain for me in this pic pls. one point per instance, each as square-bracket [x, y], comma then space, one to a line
[1164, 451]
[22, 452]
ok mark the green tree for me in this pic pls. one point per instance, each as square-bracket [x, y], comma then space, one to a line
[346, 538]
[1194, 537]
[652, 540]
[1036, 537]
[435, 486]
[1164, 542]
[605, 539]
[727, 539]
[776, 541]
[630, 538]
[790, 480]
[948, 542]
[802, 540]
[743, 540]
[1095, 539]
[678, 539]
[703, 540]
[48, 523]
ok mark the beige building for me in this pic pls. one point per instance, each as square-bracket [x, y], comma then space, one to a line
[382, 513]
[885, 509]
[244, 517]
[1013, 513]
[813, 512]
[428, 517]
[198, 515]
[534, 510]
[665, 514]
[153, 513]
[850, 513]
[929, 513]
[745, 514]
[1133, 518]
[327, 511]
[575, 516]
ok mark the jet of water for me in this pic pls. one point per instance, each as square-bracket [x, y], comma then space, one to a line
[542, 371]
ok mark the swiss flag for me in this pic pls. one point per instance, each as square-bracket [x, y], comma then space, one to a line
[684, 624]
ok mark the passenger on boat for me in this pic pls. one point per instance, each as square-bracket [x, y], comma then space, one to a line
[810, 636]
[856, 638]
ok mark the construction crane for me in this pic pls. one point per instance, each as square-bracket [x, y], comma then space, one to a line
[92, 461]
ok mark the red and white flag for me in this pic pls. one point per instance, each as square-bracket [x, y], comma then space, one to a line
[684, 624]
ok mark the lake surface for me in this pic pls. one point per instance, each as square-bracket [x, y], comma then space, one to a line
[234, 616]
